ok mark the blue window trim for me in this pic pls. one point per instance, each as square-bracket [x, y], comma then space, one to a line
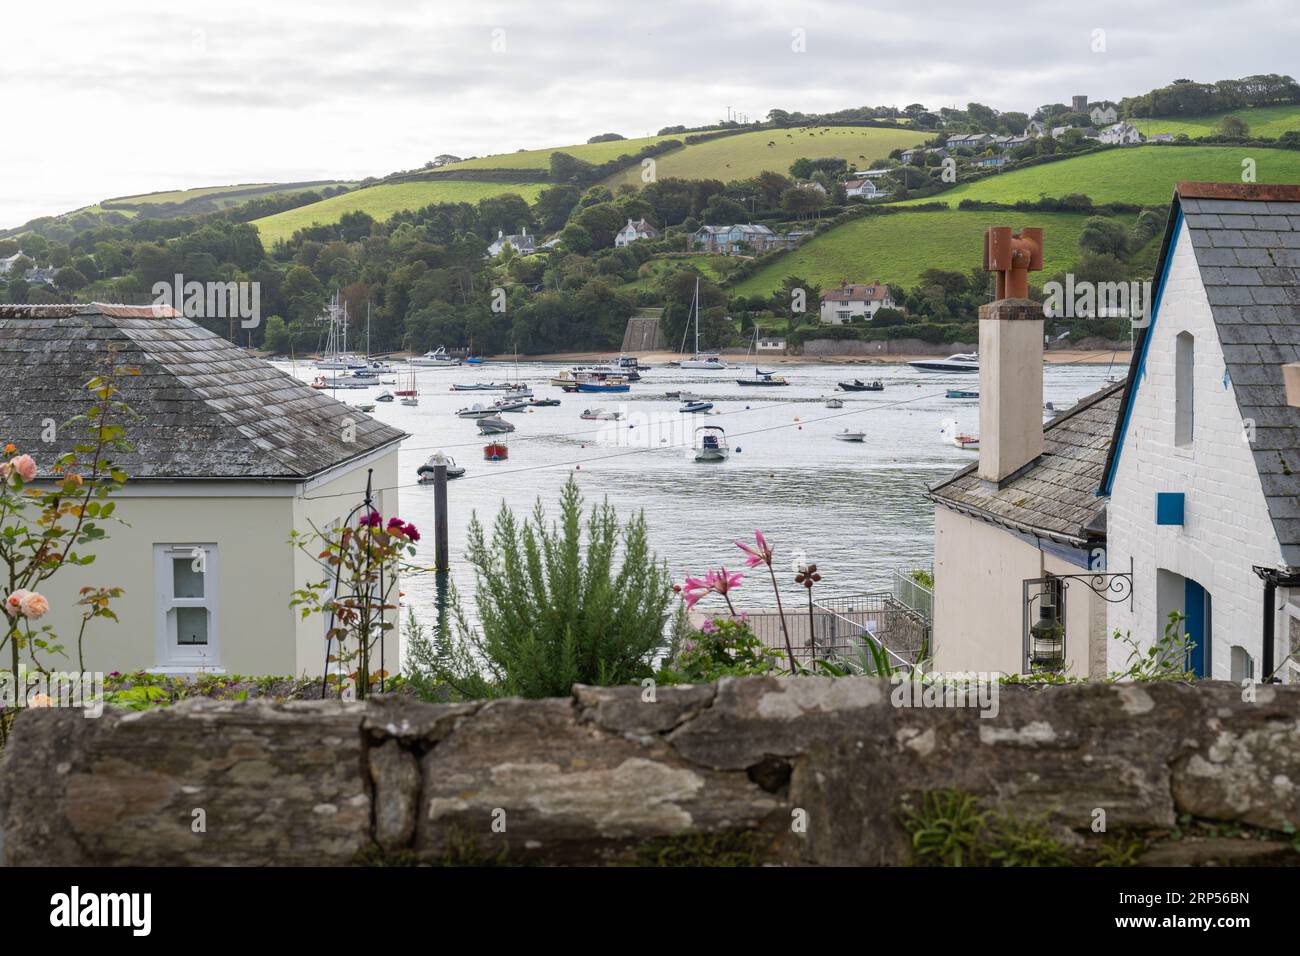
[1142, 356]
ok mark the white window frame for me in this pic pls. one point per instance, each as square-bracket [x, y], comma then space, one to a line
[171, 656]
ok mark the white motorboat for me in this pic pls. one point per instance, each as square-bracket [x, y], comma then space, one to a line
[961, 362]
[600, 415]
[438, 358]
[321, 383]
[426, 471]
[848, 435]
[711, 444]
[478, 410]
[384, 397]
[834, 403]
[495, 425]
[962, 441]
[511, 405]
[682, 396]
[366, 407]
[691, 408]
[410, 400]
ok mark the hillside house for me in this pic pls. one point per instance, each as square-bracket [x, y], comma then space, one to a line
[7, 263]
[1161, 138]
[1202, 474]
[1103, 114]
[40, 275]
[1036, 128]
[230, 456]
[523, 243]
[849, 302]
[813, 185]
[969, 141]
[771, 345]
[864, 188]
[1120, 134]
[735, 239]
[634, 231]
[990, 162]
[907, 155]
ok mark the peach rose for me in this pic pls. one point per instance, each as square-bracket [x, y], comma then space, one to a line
[41, 700]
[25, 465]
[34, 605]
[14, 603]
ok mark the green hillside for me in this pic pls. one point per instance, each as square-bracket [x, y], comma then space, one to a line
[1266, 121]
[899, 247]
[541, 158]
[1142, 174]
[745, 155]
[383, 201]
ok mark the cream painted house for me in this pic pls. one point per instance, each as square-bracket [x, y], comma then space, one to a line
[1204, 472]
[231, 456]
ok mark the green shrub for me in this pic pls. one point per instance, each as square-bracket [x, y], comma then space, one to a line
[553, 612]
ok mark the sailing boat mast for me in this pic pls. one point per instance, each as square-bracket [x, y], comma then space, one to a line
[696, 304]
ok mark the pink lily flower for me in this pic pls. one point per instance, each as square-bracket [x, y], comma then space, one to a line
[760, 553]
[693, 590]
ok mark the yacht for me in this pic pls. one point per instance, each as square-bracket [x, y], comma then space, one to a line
[962, 362]
[438, 358]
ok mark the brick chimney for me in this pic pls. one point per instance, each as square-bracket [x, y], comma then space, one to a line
[1011, 356]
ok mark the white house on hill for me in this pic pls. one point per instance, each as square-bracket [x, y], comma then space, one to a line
[523, 243]
[1120, 134]
[1103, 114]
[1204, 471]
[842, 305]
[633, 231]
[230, 456]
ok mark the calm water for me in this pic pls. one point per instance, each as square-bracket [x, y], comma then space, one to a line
[857, 510]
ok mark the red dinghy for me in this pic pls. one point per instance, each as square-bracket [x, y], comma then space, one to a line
[496, 451]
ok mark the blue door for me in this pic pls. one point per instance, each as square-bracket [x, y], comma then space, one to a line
[1196, 601]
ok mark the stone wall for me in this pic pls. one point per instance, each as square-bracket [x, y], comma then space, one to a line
[800, 771]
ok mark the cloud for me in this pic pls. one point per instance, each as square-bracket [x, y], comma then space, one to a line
[136, 96]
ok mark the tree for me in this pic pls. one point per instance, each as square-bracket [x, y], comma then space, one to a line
[276, 339]
[554, 205]
[569, 169]
[802, 202]
[606, 138]
[1104, 236]
[443, 159]
[1233, 126]
[770, 185]
[576, 238]
[721, 211]
[69, 280]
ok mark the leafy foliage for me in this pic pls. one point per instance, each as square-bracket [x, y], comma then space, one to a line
[554, 613]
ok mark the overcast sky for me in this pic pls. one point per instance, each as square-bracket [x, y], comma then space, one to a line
[111, 98]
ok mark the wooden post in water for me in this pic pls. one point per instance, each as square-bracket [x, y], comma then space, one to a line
[441, 561]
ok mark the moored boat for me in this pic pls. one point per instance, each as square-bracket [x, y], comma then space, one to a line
[834, 403]
[857, 385]
[960, 393]
[850, 435]
[496, 451]
[425, 472]
[600, 415]
[438, 358]
[762, 378]
[961, 362]
[495, 425]
[690, 408]
[711, 444]
[477, 410]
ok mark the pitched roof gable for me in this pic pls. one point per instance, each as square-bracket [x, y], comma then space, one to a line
[1246, 241]
[203, 408]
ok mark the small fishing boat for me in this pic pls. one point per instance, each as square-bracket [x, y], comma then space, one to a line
[388, 381]
[543, 402]
[690, 408]
[410, 391]
[438, 358]
[834, 403]
[494, 426]
[711, 444]
[321, 383]
[961, 362]
[600, 415]
[610, 383]
[496, 451]
[762, 378]
[477, 410]
[959, 393]
[857, 385]
[425, 472]
[510, 405]
[384, 397]
[682, 396]
[410, 400]
[849, 435]
[480, 387]
[965, 442]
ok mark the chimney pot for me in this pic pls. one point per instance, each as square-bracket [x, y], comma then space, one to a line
[1291, 379]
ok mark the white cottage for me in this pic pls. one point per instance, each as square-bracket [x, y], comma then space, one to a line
[1103, 114]
[850, 301]
[230, 456]
[1120, 134]
[634, 230]
[1204, 472]
[523, 243]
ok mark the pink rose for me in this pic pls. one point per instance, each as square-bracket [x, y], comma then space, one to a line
[25, 465]
[14, 602]
[34, 605]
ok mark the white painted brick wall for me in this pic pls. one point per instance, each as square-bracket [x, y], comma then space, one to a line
[1226, 527]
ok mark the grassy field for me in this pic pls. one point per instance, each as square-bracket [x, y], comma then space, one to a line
[712, 267]
[1269, 121]
[898, 248]
[383, 201]
[541, 158]
[222, 196]
[748, 154]
[1143, 174]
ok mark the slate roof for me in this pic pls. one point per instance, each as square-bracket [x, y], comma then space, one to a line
[1246, 238]
[1056, 495]
[204, 409]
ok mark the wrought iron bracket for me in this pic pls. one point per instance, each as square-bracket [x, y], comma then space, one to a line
[1113, 588]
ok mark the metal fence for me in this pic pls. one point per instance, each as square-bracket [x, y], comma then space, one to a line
[837, 628]
[915, 595]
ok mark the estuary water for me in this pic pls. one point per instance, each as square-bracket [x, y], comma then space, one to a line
[855, 509]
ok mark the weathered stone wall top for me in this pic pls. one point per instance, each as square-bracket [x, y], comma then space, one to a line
[805, 770]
